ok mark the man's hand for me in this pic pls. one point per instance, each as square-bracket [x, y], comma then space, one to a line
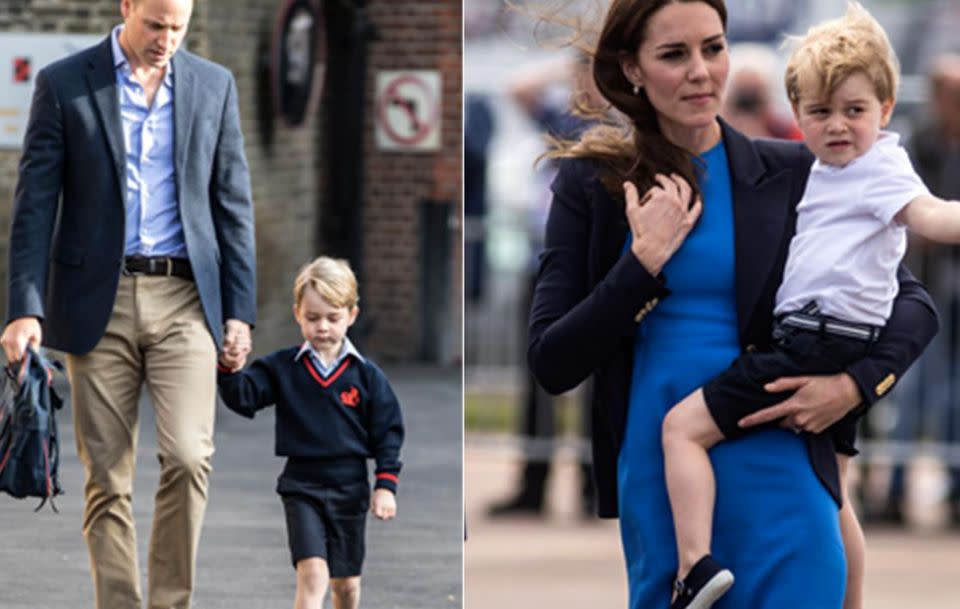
[818, 402]
[231, 363]
[384, 504]
[236, 344]
[17, 335]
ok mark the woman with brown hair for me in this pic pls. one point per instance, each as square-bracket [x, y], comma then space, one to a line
[665, 245]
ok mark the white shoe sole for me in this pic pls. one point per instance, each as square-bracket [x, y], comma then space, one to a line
[712, 592]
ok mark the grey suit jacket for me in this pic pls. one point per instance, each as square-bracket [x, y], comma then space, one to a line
[67, 234]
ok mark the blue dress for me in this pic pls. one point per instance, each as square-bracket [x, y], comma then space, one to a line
[775, 526]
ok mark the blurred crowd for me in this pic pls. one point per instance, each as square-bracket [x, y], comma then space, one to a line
[922, 416]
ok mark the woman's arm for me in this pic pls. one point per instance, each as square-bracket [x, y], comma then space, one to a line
[574, 328]
[912, 325]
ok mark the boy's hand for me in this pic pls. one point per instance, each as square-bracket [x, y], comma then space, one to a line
[236, 340]
[232, 362]
[384, 504]
[236, 344]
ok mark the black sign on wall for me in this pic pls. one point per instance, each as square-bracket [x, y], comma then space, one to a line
[298, 47]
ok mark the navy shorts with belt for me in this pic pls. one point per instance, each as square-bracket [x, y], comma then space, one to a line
[804, 343]
[326, 507]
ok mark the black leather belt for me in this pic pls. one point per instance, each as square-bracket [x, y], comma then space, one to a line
[157, 265]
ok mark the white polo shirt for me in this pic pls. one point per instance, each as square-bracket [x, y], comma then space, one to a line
[848, 246]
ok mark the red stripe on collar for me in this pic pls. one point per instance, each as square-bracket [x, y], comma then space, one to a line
[318, 377]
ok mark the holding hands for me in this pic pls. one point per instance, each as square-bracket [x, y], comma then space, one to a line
[661, 220]
[236, 344]
[383, 504]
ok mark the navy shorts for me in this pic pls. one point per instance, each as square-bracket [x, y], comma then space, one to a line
[738, 391]
[326, 519]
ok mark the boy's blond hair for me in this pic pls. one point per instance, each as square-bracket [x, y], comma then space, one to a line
[332, 278]
[833, 50]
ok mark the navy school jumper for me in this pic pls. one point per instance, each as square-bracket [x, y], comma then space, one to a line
[352, 413]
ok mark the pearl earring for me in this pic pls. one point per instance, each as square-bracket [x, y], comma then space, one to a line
[636, 89]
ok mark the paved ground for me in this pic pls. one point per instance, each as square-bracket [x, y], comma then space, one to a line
[414, 562]
[564, 562]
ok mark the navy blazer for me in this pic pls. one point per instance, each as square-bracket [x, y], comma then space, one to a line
[67, 234]
[590, 296]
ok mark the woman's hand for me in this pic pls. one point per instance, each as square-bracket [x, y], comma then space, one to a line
[661, 220]
[817, 403]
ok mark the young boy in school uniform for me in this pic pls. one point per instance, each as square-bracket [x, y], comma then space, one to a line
[335, 409]
[836, 294]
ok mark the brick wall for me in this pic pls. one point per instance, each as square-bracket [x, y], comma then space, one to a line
[283, 174]
[287, 163]
[422, 35]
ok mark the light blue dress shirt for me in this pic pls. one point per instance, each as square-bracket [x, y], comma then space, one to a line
[346, 349]
[153, 226]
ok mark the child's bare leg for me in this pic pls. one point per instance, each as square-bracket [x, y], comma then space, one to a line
[854, 544]
[688, 431]
[346, 592]
[312, 579]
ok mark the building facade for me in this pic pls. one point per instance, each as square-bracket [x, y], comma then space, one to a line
[318, 188]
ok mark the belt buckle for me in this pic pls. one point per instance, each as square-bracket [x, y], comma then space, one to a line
[127, 271]
[155, 269]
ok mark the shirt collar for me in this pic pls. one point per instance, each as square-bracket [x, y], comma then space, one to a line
[120, 60]
[347, 348]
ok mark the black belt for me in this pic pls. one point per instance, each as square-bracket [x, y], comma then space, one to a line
[808, 318]
[157, 265]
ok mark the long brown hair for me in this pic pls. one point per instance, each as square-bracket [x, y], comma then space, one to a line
[632, 148]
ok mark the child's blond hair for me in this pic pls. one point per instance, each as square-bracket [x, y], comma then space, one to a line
[331, 278]
[832, 51]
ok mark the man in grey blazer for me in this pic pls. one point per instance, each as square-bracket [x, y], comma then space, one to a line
[132, 250]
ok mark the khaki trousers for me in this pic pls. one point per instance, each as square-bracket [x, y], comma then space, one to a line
[156, 334]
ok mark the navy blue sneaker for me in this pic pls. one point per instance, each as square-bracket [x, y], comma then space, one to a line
[706, 582]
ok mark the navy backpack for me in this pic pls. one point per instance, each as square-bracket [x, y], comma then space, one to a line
[29, 441]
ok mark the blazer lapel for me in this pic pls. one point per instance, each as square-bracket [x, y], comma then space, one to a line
[761, 215]
[183, 111]
[102, 80]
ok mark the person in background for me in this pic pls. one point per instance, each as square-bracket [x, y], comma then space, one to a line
[550, 96]
[928, 400]
[750, 104]
[478, 130]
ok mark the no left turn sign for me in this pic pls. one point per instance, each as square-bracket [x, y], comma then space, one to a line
[408, 110]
